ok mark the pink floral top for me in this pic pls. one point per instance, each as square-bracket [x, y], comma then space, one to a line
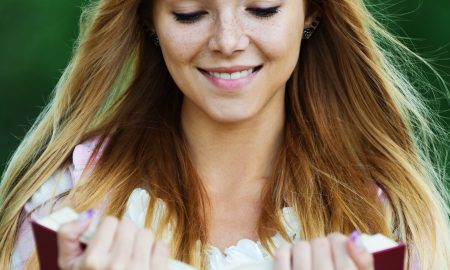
[63, 180]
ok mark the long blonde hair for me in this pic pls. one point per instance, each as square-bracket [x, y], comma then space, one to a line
[354, 122]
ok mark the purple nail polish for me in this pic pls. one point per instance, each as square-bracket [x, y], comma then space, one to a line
[86, 215]
[355, 237]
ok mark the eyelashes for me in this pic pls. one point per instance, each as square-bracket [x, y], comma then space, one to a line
[188, 17]
[262, 13]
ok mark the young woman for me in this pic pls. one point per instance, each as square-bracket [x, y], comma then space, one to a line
[224, 129]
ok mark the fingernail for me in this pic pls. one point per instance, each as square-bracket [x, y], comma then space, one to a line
[355, 237]
[86, 215]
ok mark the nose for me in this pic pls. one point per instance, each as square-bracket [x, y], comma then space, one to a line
[229, 36]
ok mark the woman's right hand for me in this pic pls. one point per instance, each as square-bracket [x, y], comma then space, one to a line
[117, 244]
[334, 252]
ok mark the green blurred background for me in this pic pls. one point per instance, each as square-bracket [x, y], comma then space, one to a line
[37, 38]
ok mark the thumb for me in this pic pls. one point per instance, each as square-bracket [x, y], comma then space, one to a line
[68, 236]
[361, 257]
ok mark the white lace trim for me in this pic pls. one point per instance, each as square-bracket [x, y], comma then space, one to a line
[245, 250]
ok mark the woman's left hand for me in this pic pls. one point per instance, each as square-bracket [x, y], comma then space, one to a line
[336, 251]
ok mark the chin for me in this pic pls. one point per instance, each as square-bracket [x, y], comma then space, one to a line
[231, 117]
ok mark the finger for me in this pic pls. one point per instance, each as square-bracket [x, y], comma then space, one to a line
[142, 249]
[282, 260]
[160, 256]
[122, 246]
[97, 252]
[301, 256]
[321, 254]
[361, 257]
[68, 239]
[341, 258]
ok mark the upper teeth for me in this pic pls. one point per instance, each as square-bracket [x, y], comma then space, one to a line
[231, 76]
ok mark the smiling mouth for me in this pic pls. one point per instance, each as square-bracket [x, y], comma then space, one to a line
[232, 76]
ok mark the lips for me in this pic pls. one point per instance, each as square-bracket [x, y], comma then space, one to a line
[232, 78]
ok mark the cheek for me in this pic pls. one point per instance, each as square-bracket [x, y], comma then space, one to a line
[180, 51]
[279, 43]
[279, 39]
[181, 43]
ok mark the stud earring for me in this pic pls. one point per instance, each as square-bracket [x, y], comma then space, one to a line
[309, 31]
[155, 39]
[151, 34]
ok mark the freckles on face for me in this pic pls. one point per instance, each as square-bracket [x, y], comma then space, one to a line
[229, 36]
[179, 42]
[281, 35]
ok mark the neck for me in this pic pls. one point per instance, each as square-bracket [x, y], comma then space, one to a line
[234, 159]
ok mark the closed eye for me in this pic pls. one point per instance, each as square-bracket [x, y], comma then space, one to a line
[188, 17]
[264, 12]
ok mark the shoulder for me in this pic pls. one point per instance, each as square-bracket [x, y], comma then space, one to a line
[63, 179]
[46, 199]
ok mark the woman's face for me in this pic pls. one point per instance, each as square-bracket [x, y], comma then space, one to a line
[230, 58]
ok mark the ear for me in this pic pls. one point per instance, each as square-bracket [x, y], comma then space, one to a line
[312, 12]
[148, 25]
[313, 19]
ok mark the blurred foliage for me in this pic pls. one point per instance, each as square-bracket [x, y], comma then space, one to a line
[37, 38]
[36, 44]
